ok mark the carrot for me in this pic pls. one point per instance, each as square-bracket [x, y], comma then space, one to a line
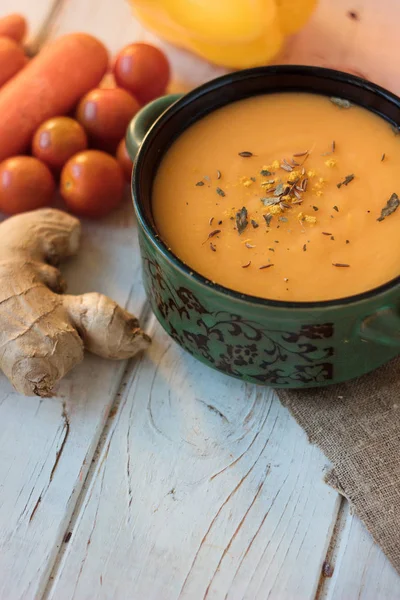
[13, 26]
[12, 59]
[50, 85]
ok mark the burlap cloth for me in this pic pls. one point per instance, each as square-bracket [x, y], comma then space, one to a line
[357, 426]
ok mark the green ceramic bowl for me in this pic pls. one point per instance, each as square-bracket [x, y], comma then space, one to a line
[281, 344]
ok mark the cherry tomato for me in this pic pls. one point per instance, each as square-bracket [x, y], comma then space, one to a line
[57, 139]
[124, 160]
[143, 70]
[105, 114]
[92, 183]
[25, 184]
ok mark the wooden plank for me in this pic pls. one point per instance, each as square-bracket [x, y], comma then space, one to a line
[205, 487]
[113, 25]
[34, 431]
[39, 490]
[116, 27]
[35, 12]
[361, 570]
[351, 35]
[46, 446]
[346, 34]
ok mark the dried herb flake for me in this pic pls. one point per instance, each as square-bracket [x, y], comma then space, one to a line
[268, 219]
[200, 183]
[335, 208]
[246, 154]
[265, 173]
[340, 265]
[246, 265]
[345, 181]
[269, 201]
[254, 223]
[266, 266]
[241, 220]
[392, 204]
[213, 248]
[220, 192]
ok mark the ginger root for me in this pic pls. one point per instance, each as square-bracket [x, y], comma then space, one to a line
[42, 332]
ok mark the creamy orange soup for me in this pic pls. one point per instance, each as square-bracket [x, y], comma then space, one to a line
[281, 196]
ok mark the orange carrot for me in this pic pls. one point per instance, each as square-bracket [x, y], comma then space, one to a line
[50, 85]
[13, 26]
[12, 59]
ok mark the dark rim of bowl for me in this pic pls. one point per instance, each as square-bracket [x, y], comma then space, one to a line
[214, 84]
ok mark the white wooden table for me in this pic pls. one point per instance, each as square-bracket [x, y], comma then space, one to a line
[159, 479]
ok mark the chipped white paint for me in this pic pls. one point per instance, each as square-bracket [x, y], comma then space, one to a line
[35, 11]
[46, 446]
[202, 487]
[205, 487]
[361, 569]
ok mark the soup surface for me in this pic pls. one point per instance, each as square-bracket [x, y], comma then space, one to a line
[284, 196]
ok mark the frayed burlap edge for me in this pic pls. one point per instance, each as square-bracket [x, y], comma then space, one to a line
[357, 426]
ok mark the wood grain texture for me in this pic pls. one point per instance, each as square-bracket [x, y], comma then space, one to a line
[46, 445]
[360, 569]
[202, 487]
[205, 488]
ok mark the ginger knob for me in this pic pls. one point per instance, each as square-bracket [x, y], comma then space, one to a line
[42, 332]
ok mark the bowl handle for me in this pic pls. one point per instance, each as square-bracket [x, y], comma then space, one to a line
[382, 327]
[144, 119]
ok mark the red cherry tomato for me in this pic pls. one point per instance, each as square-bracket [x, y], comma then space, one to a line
[143, 70]
[124, 160]
[105, 114]
[57, 139]
[92, 183]
[25, 184]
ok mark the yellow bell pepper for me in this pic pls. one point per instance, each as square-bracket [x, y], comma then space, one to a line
[233, 33]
